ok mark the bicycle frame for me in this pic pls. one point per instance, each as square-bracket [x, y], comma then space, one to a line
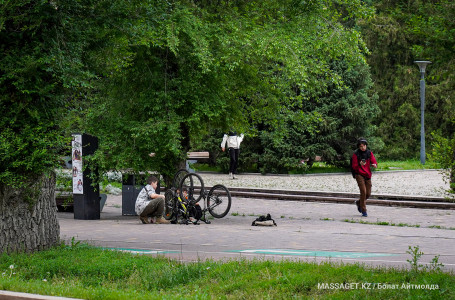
[191, 190]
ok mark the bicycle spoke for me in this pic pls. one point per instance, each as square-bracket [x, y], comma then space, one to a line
[178, 178]
[191, 188]
[219, 201]
[169, 205]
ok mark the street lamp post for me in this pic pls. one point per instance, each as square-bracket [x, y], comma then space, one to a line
[422, 66]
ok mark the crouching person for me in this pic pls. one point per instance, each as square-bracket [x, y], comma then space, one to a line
[149, 204]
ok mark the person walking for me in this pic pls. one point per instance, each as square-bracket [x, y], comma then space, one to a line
[362, 160]
[233, 144]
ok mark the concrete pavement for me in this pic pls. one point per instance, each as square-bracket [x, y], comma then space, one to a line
[308, 231]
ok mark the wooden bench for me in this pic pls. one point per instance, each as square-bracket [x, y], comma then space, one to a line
[194, 157]
[65, 202]
[199, 156]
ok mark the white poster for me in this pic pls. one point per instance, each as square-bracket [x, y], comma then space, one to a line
[77, 164]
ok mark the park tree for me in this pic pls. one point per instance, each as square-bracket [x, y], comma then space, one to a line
[322, 109]
[400, 33]
[327, 125]
[432, 30]
[44, 76]
[339, 115]
[219, 66]
[443, 151]
[32, 92]
[149, 76]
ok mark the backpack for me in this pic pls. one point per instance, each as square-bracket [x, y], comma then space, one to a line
[196, 212]
[264, 221]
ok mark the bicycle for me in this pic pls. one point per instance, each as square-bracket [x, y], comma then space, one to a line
[178, 177]
[182, 203]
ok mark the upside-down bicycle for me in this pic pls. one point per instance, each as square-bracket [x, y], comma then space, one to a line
[182, 200]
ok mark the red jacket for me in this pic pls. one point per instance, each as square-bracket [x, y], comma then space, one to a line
[365, 170]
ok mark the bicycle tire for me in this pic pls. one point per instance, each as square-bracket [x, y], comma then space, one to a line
[193, 184]
[169, 205]
[219, 201]
[178, 178]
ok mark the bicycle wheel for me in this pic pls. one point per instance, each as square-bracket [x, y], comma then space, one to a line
[191, 188]
[169, 205]
[219, 201]
[178, 177]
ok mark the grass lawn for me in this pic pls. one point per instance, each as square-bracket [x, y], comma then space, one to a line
[82, 271]
[413, 164]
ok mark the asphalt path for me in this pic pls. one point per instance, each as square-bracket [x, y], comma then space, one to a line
[305, 231]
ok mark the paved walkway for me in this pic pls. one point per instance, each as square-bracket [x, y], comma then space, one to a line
[306, 231]
[423, 183]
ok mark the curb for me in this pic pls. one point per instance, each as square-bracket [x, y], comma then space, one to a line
[7, 295]
[320, 174]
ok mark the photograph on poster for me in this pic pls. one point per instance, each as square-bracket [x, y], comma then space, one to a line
[78, 187]
[76, 155]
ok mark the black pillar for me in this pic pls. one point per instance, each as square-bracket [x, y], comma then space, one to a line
[86, 196]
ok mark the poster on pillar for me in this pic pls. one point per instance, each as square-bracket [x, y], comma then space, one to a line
[76, 144]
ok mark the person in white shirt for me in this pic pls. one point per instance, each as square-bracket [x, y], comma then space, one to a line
[233, 144]
[150, 204]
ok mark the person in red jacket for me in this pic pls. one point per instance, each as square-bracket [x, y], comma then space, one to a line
[362, 160]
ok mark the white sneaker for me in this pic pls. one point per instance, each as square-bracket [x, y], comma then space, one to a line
[231, 176]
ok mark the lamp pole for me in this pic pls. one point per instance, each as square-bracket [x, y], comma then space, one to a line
[422, 65]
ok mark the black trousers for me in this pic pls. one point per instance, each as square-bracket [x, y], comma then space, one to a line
[234, 160]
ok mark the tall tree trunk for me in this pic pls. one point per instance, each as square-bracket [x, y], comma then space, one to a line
[29, 225]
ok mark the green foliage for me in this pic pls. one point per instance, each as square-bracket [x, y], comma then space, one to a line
[48, 74]
[415, 257]
[44, 80]
[382, 223]
[327, 125]
[332, 122]
[198, 70]
[27, 152]
[416, 267]
[159, 77]
[444, 153]
[155, 77]
[31, 82]
[400, 33]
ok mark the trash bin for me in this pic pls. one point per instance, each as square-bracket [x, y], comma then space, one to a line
[132, 184]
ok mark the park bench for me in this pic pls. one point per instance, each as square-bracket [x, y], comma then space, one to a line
[194, 157]
[199, 156]
[65, 202]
